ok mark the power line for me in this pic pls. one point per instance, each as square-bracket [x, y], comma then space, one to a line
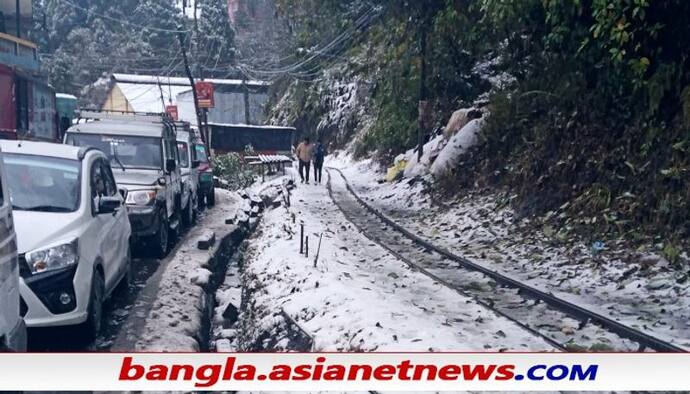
[362, 22]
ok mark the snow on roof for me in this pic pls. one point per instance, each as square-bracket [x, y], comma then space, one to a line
[252, 126]
[147, 97]
[181, 81]
[65, 96]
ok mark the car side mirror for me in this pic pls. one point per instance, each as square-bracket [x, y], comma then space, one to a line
[124, 193]
[196, 163]
[108, 204]
[170, 165]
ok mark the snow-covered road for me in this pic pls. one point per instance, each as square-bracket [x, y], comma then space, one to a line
[359, 297]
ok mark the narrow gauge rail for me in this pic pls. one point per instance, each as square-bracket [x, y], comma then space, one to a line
[541, 313]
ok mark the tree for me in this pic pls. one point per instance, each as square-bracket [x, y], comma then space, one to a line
[215, 50]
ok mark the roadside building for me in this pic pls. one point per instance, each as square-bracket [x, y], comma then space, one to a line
[27, 102]
[236, 101]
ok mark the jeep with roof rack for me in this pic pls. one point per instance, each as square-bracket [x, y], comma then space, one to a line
[143, 153]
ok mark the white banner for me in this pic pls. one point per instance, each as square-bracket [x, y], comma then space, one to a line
[344, 371]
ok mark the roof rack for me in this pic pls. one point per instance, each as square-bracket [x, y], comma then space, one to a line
[126, 116]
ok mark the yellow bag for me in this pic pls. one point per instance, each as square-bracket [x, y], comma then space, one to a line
[394, 172]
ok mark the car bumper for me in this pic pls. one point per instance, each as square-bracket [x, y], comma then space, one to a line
[16, 339]
[41, 295]
[145, 222]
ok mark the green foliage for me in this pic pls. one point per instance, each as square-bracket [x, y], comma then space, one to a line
[597, 113]
[231, 168]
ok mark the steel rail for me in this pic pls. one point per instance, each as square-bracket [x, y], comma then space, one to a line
[583, 315]
[436, 278]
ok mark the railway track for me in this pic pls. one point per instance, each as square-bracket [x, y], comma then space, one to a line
[563, 324]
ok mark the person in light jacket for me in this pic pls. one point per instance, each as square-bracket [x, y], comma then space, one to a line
[305, 153]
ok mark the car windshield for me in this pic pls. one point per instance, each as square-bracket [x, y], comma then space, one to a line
[184, 157]
[201, 153]
[123, 150]
[43, 184]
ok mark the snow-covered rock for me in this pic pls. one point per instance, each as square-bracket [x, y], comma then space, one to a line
[421, 167]
[467, 137]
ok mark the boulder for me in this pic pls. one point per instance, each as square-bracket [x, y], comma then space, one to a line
[458, 144]
[460, 119]
[414, 167]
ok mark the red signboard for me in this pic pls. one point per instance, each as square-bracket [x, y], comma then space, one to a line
[172, 111]
[204, 92]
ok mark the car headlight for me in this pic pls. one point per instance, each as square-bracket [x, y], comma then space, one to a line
[141, 197]
[53, 258]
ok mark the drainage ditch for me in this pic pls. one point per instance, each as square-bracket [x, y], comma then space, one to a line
[236, 323]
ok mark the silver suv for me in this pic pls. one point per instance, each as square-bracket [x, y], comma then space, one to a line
[144, 157]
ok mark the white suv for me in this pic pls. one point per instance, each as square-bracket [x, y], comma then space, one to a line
[72, 231]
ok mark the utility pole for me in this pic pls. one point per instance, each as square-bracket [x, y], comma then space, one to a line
[160, 88]
[424, 106]
[188, 71]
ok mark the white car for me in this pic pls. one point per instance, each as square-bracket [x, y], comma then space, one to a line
[73, 233]
[12, 328]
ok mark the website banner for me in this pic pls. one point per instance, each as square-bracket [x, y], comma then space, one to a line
[343, 371]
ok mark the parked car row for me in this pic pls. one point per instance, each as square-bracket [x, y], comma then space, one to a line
[78, 208]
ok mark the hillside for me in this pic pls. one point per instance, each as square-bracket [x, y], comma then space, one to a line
[586, 105]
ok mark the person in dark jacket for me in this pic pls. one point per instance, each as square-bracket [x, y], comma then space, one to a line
[319, 156]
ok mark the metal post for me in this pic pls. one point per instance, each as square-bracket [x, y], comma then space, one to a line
[188, 71]
[318, 250]
[18, 20]
[306, 247]
[301, 239]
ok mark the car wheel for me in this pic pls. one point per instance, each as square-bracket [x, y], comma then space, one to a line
[211, 198]
[188, 214]
[200, 200]
[195, 211]
[92, 326]
[161, 241]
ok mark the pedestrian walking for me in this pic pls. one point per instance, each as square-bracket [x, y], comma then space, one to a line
[305, 152]
[319, 156]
